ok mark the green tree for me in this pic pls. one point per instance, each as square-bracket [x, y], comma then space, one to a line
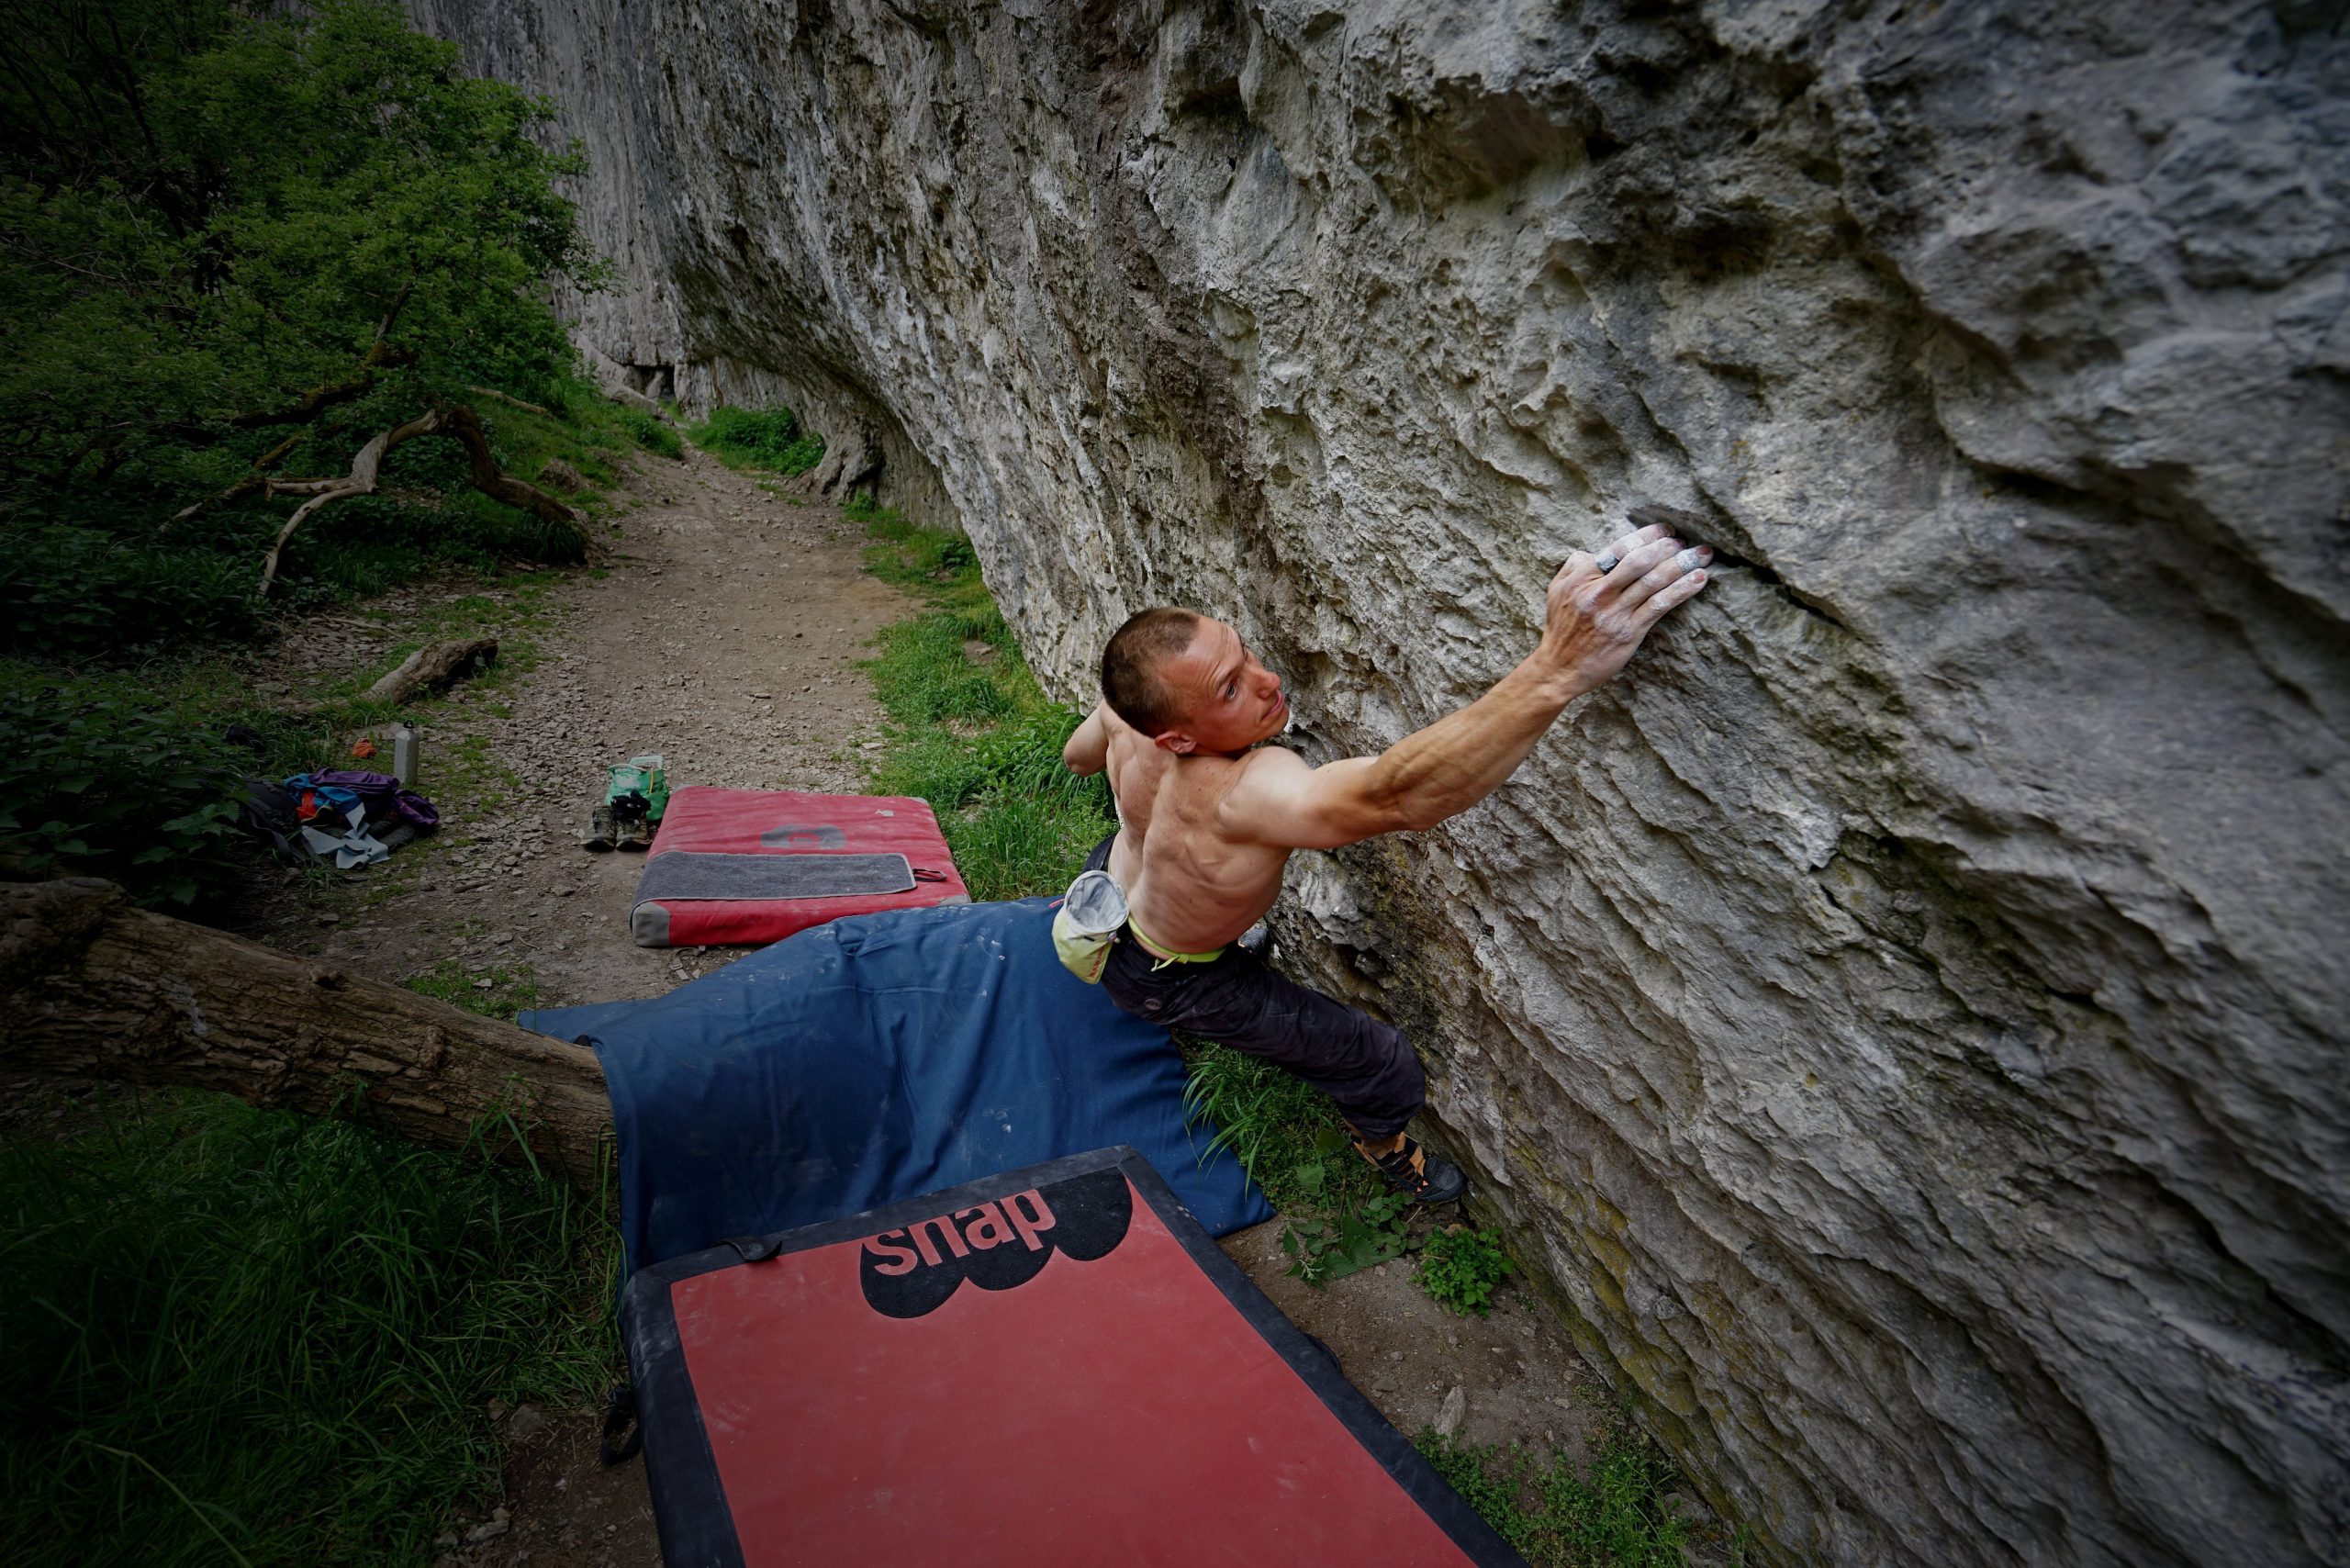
[239, 241]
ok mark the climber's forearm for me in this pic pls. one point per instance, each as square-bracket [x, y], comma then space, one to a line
[1444, 770]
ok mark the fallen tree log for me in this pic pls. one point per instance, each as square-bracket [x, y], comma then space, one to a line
[434, 664]
[93, 987]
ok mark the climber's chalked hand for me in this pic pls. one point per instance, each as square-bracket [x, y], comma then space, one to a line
[1595, 618]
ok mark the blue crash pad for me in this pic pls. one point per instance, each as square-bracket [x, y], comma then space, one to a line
[874, 1059]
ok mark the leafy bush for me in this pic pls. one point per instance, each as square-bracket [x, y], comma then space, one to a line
[654, 435]
[102, 777]
[1461, 1269]
[80, 590]
[771, 440]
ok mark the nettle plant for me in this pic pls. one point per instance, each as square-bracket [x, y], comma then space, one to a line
[1461, 1269]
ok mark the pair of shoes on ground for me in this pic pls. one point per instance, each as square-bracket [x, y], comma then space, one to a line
[1420, 1176]
[609, 829]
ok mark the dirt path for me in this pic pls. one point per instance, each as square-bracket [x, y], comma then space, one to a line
[723, 635]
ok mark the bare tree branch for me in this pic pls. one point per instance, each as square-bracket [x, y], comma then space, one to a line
[459, 424]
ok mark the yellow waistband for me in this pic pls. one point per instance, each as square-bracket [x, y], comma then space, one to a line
[1169, 955]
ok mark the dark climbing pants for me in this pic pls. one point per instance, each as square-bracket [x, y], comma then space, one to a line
[1368, 1068]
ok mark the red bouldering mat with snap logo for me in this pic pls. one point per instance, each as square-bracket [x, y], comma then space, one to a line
[1051, 1367]
[751, 867]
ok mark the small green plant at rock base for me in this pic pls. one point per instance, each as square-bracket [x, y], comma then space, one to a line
[1326, 1247]
[1615, 1516]
[1461, 1268]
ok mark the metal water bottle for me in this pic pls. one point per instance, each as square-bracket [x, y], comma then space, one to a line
[403, 756]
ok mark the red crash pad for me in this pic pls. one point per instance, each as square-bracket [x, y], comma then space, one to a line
[1053, 1366]
[703, 820]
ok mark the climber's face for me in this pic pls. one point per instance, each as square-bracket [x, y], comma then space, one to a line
[1226, 701]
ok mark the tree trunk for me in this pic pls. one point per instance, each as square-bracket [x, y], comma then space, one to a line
[436, 663]
[92, 987]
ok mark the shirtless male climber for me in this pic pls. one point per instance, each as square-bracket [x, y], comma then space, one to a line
[1207, 823]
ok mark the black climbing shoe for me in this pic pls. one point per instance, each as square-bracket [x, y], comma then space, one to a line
[602, 832]
[630, 828]
[1420, 1176]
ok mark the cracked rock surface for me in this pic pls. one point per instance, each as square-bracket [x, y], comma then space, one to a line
[1903, 1016]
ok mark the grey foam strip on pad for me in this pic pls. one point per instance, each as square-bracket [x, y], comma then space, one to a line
[683, 874]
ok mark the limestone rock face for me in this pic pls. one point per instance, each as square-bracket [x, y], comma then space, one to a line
[1901, 1019]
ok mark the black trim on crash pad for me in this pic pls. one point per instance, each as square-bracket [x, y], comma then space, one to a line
[695, 1526]
[687, 1482]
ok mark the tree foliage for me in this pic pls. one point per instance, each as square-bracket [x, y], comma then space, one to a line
[209, 207]
[238, 239]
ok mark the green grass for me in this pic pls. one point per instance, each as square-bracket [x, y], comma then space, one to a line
[1284, 1131]
[769, 440]
[508, 989]
[970, 731]
[1614, 1515]
[245, 1336]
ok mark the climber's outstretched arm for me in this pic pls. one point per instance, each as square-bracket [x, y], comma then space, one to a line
[1593, 624]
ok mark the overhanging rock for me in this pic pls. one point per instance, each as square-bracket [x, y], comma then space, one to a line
[1902, 1017]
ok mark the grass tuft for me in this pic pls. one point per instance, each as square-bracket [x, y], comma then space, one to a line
[1615, 1516]
[494, 990]
[1285, 1133]
[251, 1335]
